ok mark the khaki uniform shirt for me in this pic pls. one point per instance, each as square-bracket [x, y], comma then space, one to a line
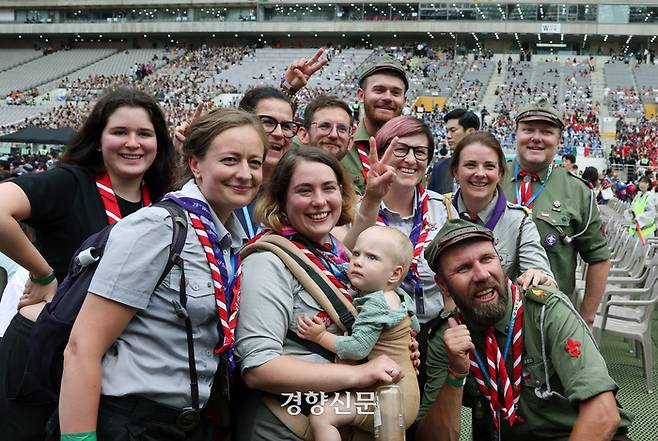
[576, 370]
[566, 207]
[351, 161]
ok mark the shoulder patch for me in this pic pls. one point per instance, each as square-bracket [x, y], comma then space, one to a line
[540, 294]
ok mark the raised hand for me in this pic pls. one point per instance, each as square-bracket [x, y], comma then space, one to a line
[381, 175]
[458, 344]
[300, 71]
[183, 130]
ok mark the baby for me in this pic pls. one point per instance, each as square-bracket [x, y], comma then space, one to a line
[380, 260]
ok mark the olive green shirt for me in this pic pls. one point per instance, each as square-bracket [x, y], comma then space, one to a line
[351, 161]
[575, 375]
[562, 209]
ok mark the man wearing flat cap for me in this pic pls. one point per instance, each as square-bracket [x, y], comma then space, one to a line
[525, 362]
[382, 91]
[563, 207]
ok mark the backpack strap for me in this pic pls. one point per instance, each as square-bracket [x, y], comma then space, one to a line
[179, 219]
[333, 302]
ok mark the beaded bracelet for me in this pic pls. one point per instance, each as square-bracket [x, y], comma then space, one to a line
[43, 280]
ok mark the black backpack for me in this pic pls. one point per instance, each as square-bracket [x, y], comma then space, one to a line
[52, 329]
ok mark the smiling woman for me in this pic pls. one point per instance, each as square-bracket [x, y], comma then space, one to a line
[120, 160]
[127, 330]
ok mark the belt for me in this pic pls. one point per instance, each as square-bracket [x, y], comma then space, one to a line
[186, 419]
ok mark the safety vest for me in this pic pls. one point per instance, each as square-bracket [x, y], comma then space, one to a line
[638, 206]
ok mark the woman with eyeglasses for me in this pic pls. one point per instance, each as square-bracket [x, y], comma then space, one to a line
[395, 197]
[276, 113]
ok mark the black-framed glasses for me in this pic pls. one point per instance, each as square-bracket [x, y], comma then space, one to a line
[421, 152]
[288, 128]
[325, 128]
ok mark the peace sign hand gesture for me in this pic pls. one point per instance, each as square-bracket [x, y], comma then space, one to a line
[300, 71]
[183, 130]
[381, 175]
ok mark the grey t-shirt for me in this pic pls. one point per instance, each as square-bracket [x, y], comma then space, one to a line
[150, 357]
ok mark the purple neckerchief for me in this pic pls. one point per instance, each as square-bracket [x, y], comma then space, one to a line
[501, 204]
[412, 281]
[202, 210]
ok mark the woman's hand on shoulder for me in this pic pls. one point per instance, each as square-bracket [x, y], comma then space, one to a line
[379, 370]
[381, 175]
[34, 293]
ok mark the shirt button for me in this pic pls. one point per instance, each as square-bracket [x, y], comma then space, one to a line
[209, 284]
[209, 353]
[225, 252]
[195, 286]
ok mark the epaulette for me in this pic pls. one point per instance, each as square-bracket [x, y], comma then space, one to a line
[514, 206]
[579, 178]
[540, 294]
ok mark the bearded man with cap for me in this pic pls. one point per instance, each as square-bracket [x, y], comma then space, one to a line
[524, 361]
[382, 91]
[563, 207]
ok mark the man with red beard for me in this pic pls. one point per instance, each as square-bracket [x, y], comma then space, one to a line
[382, 91]
[524, 361]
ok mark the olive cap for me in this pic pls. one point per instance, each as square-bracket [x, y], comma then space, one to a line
[385, 63]
[453, 232]
[540, 111]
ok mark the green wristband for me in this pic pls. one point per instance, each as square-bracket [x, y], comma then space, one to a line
[43, 280]
[456, 382]
[83, 436]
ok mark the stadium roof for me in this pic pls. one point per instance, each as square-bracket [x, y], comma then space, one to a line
[37, 135]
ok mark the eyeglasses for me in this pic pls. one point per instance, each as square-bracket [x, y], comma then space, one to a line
[325, 128]
[288, 128]
[421, 152]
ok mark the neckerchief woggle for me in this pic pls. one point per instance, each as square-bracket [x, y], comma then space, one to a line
[202, 210]
[109, 198]
[498, 212]
[420, 228]
[535, 194]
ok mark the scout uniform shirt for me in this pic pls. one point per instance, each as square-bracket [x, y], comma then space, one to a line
[565, 209]
[352, 163]
[576, 370]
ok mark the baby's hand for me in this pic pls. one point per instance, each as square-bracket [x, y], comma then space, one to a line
[310, 328]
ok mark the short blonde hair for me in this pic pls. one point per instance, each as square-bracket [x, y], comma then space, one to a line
[401, 249]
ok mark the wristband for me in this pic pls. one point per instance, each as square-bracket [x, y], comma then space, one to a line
[83, 436]
[287, 89]
[43, 280]
[456, 382]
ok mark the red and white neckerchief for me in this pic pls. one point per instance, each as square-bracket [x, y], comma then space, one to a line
[496, 372]
[109, 199]
[228, 318]
[289, 233]
[363, 156]
[419, 235]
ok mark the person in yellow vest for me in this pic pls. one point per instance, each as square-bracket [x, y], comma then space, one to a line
[643, 210]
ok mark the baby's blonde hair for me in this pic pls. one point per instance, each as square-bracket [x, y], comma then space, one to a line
[401, 249]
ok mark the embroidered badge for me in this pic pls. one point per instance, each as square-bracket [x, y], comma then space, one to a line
[550, 240]
[544, 214]
[325, 318]
[571, 348]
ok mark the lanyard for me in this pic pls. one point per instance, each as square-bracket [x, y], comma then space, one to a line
[539, 190]
[249, 223]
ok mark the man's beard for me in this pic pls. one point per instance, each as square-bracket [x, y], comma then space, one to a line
[485, 314]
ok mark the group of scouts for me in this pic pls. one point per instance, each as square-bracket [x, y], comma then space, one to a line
[523, 359]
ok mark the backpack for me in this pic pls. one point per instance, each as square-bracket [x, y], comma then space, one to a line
[52, 328]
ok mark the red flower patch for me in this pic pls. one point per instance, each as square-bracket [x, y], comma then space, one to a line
[571, 348]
